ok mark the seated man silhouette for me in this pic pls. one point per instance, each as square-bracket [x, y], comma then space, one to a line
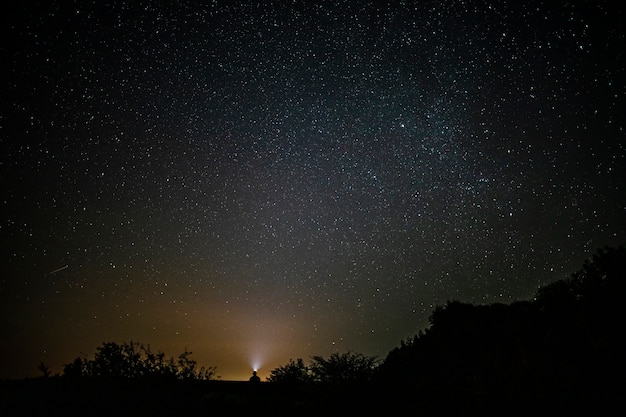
[255, 378]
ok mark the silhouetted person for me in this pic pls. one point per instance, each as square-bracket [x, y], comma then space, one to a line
[255, 386]
[255, 378]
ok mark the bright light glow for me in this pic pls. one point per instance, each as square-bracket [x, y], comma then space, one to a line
[256, 364]
[257, 349]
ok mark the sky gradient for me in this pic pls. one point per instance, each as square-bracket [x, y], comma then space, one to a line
[264, 182]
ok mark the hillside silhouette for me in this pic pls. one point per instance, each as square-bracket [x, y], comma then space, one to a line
[560, 352]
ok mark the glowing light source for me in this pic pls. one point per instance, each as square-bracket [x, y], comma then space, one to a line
[256, 364]
[256, 360]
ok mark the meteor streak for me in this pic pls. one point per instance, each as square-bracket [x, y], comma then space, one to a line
[59, 269]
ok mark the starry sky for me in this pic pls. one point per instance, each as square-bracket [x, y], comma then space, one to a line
[261, 181]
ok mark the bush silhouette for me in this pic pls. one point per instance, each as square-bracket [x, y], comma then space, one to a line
[134, 361]
[343, 368]
[293, 373]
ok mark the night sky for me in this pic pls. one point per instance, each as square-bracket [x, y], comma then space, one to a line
[259, 182]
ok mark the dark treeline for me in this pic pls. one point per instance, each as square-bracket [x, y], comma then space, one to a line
[563, 351]
[135, 361]
[560, 352]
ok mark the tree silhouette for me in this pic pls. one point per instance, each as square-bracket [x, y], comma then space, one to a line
[293, 373]
[44, 370]
[135, 360]
[77, 368]
[338, 368]
[562, 350]
[343, 368]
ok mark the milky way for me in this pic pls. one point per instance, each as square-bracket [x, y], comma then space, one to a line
[260, 182]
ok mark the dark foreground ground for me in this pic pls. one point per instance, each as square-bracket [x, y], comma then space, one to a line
[63, 397]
